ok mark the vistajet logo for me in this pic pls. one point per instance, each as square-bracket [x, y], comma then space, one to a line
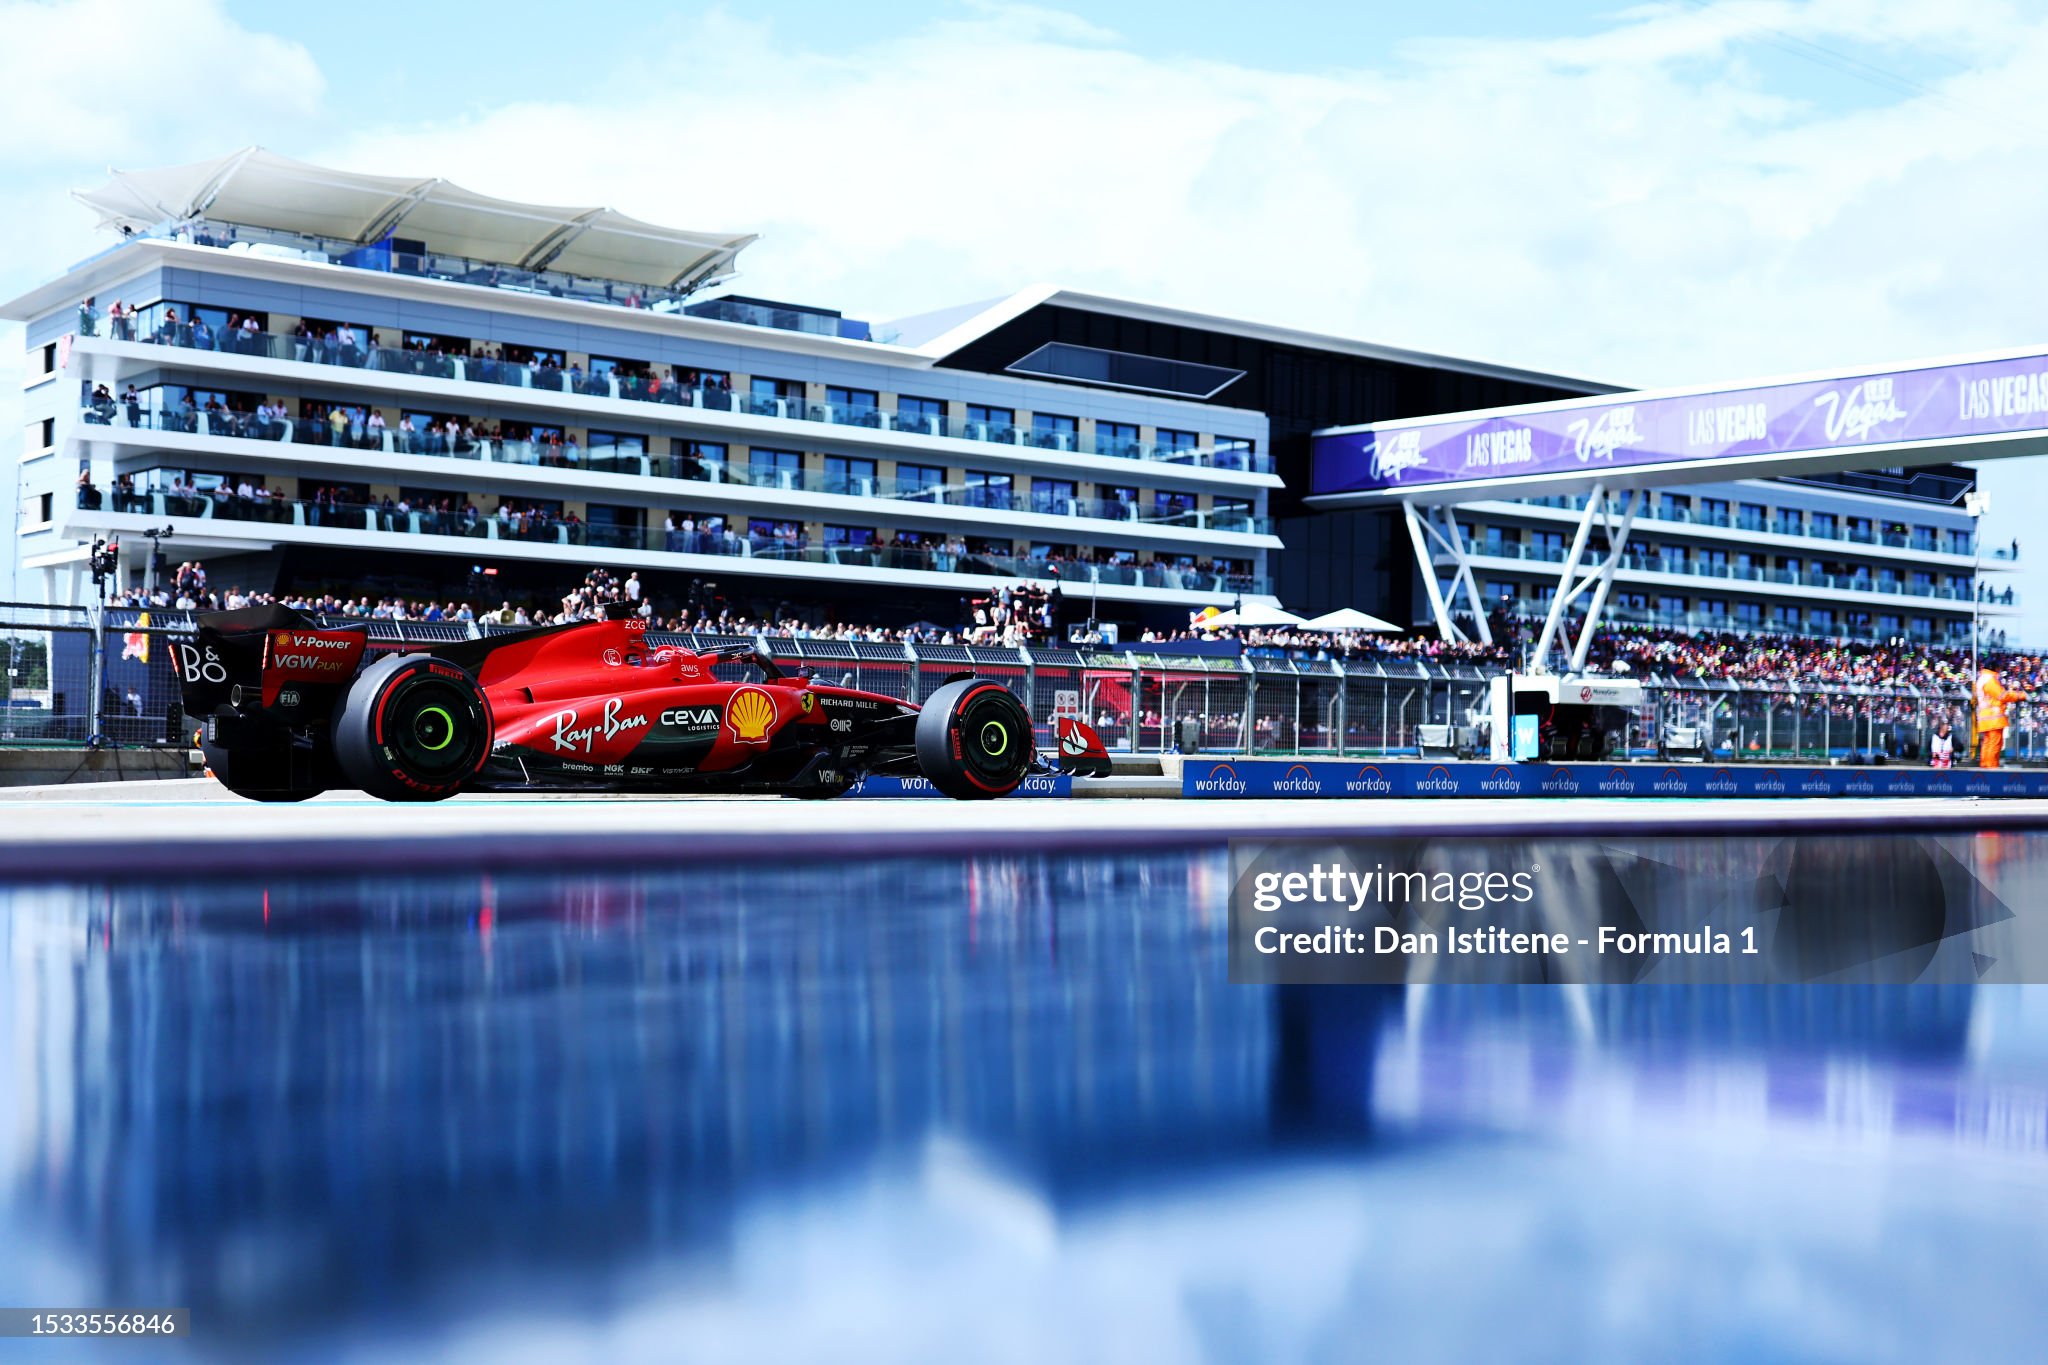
[1298, 781]
[1598, 438]
[1856, 415]
[1368, 781]
[1394, 453]
[1437, 782]
[1220, 780]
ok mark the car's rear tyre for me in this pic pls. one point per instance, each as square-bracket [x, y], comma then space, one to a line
[412, 728]
[974, 740]
[255, 774]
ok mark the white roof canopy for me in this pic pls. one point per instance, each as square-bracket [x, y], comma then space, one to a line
[1255, 614]
[260, 189]
[1349, 618]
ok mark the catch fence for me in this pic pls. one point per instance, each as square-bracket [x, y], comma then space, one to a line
[73, 675]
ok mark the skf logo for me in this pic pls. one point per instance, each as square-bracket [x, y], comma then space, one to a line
[749, 714]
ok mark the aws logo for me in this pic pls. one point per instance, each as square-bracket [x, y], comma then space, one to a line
[1500, 780]
[750, 714]
[1670, 780]
[1221, 781]
[1437, 781]
[1617, 781]
[1721, 781]
[1369, 781]
[1298, 781]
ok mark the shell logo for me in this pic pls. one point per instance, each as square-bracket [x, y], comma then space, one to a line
[749, 714]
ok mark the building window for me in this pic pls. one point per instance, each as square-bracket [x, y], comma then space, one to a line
[617, 450]
[45, 506]
[761, 386]
[1752, 518]
[1235, 452]
[1958, 542]
[1671, 606]
[1174, 443]
[922, 412]
[1787, 521]
[988, 490]
[862, 400]
[1673, 507]
[764, 531]
[1749, 614]
[46, 433]
[697, 460]
[919, 480]
[1116, 438]
[987, 545]
[1054, 497]
[1821, 618]
[1173, 506]
[1821, 525]
[994, 422]
[775, 468]
[849, 537]
[853, 477]
[46, 360]
[1054, 432]
[1714, 511]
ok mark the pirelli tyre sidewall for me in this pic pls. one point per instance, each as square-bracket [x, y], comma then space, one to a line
[412, 728]
[974, 740]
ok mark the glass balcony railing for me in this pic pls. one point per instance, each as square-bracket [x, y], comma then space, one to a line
[155, 325]
[537, 529]
[1893, 538]
[438, 443]
[1697, 568]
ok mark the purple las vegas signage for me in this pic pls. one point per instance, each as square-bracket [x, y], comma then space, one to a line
[1942, 402]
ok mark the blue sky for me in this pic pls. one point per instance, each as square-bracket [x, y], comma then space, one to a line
[1664, 193]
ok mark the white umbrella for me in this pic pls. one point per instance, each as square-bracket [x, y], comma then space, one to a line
[1257, 614]
[1349, 618]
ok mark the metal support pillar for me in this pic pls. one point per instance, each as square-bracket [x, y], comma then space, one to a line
[1422, 529]
[1597, 580]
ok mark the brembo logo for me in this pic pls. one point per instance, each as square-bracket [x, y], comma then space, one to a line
[1369, 780]
[1395, 452]
[1298, 781]
[1222, 781]
[1865, 408]
[569, 737]
[1598, 438]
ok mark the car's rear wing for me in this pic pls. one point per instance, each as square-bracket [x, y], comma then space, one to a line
[270, 657]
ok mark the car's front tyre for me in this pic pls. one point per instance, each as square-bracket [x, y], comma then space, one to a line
[974, 740]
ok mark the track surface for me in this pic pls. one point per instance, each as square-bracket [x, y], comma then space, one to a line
[193, 826]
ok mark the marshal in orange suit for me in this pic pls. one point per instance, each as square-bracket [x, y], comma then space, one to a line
[1993, 697]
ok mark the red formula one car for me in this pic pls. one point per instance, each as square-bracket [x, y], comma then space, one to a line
[288, 709]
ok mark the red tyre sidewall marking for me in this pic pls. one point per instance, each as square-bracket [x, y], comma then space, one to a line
[959, 713]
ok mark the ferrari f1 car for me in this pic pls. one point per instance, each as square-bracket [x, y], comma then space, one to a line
[287, 709]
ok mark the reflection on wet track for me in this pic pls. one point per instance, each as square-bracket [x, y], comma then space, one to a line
[903, 1109]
